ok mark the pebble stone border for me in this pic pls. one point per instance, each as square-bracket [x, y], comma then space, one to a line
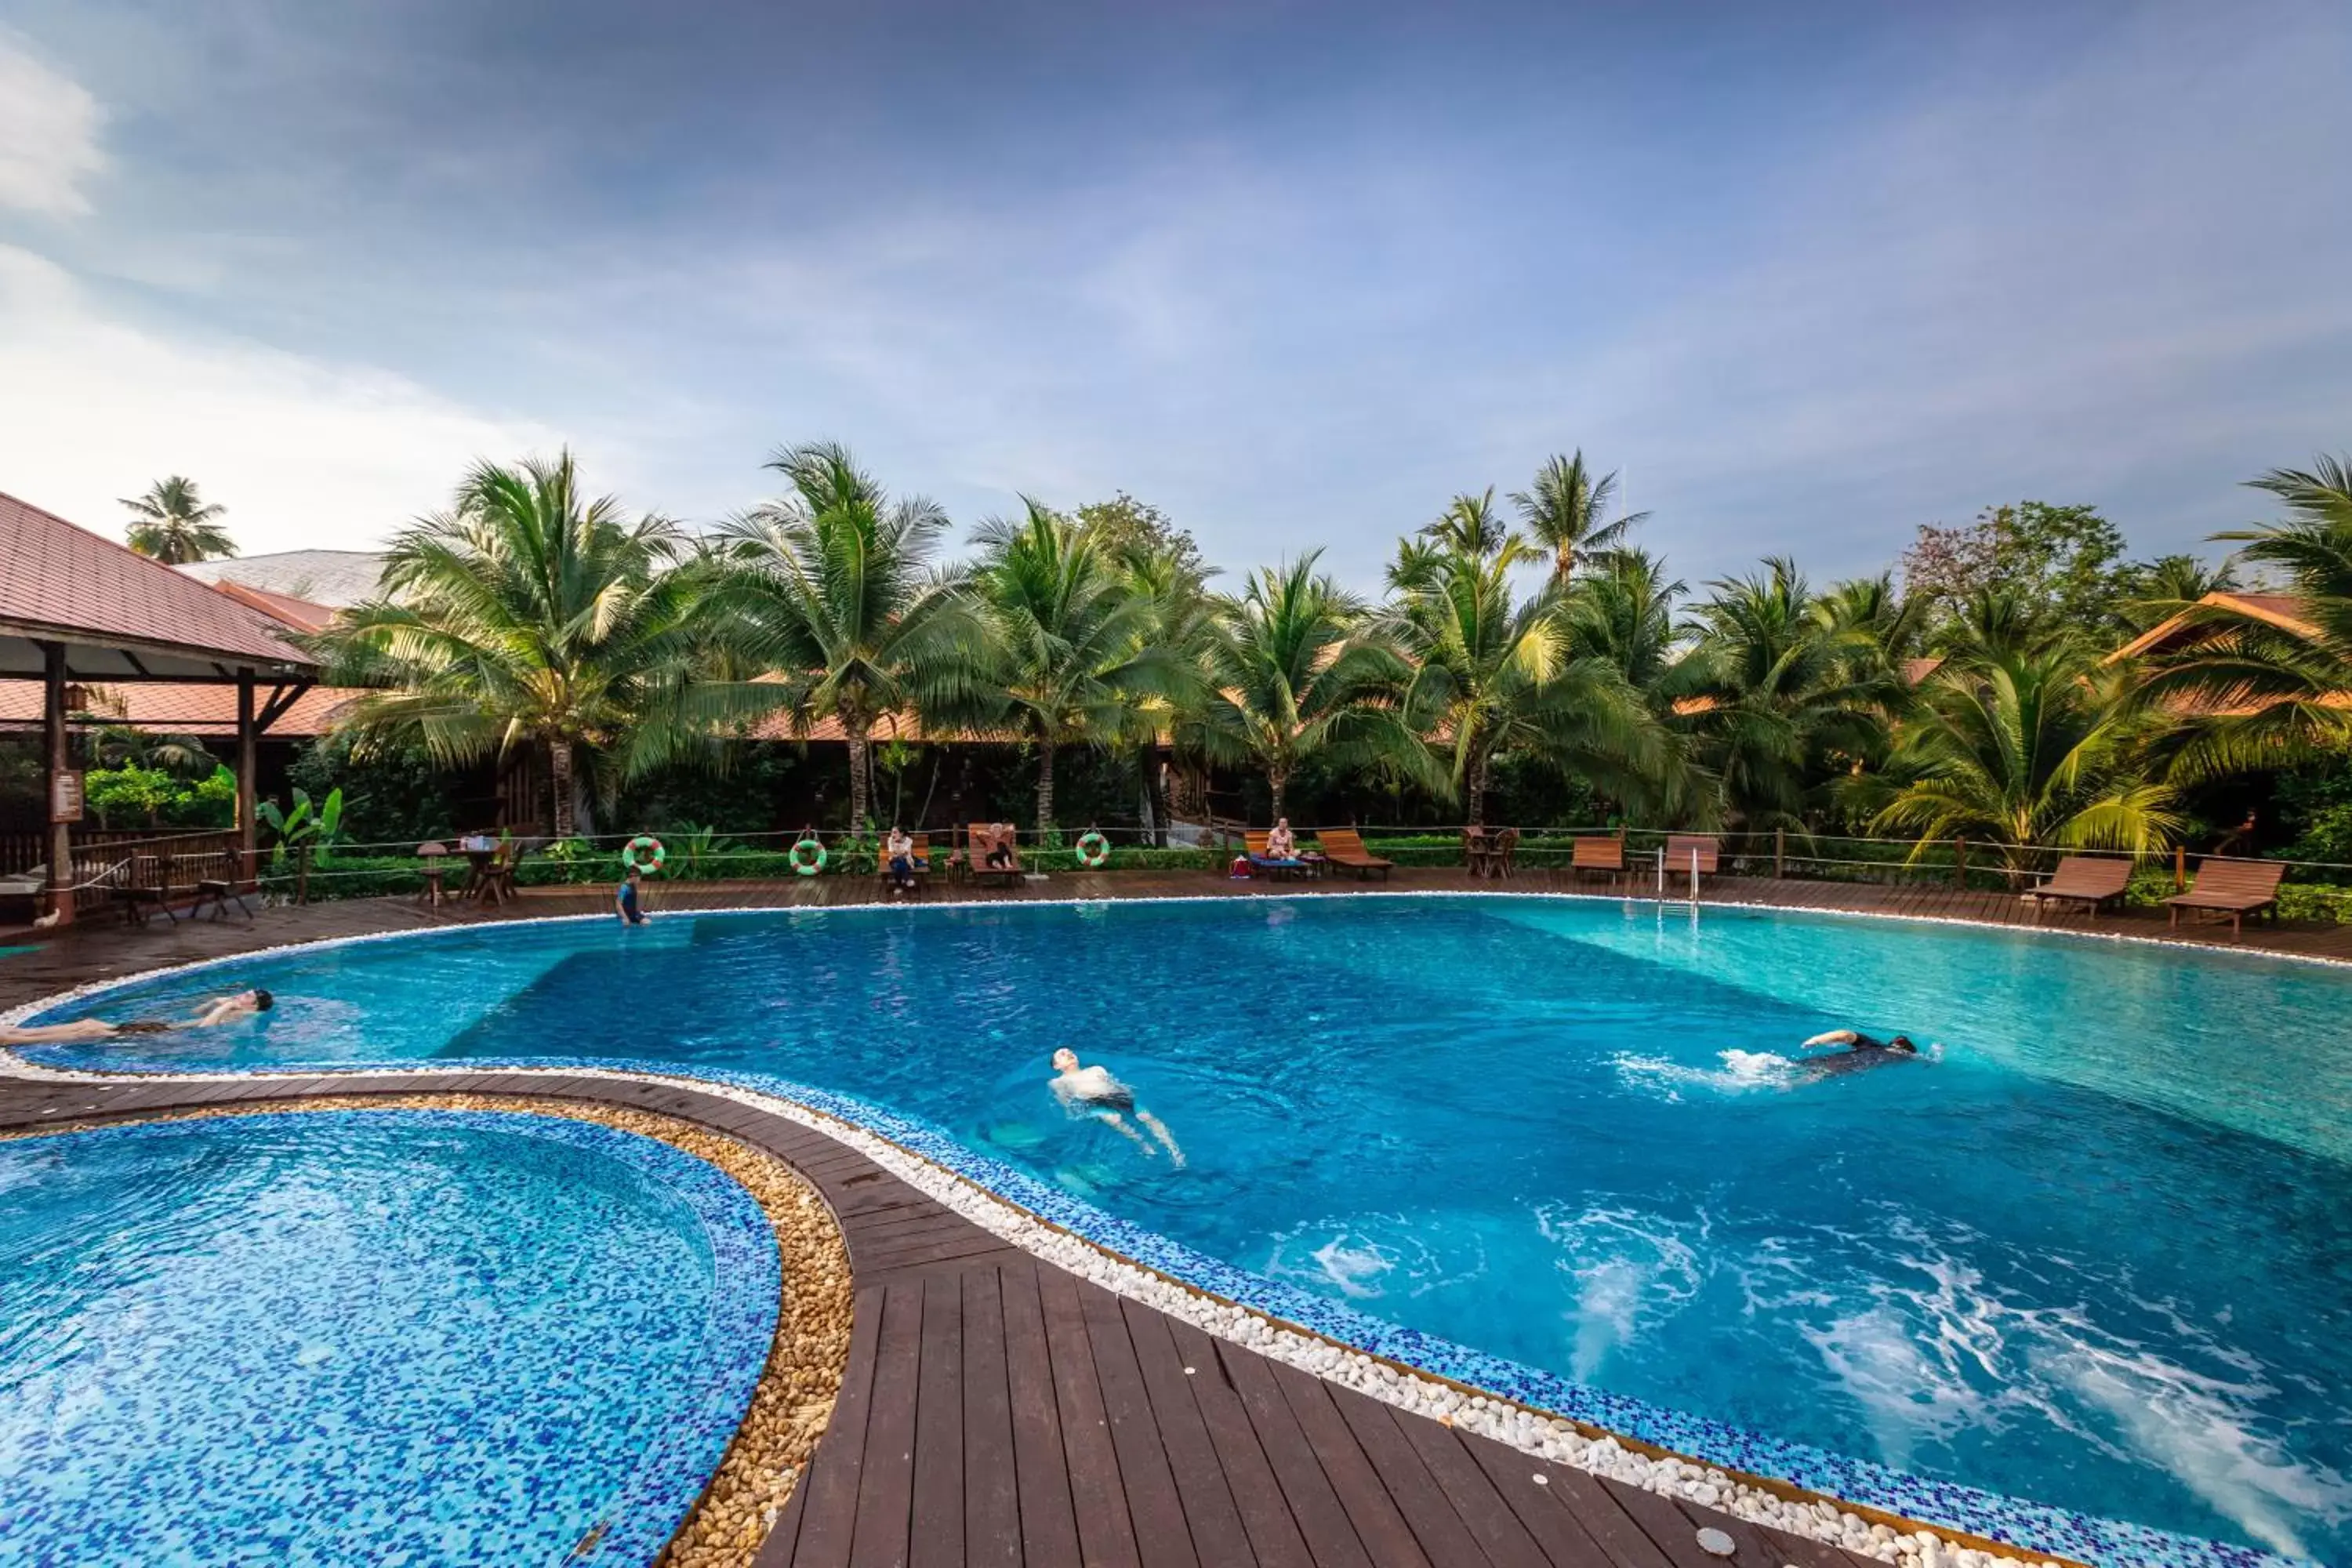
[1786, 1484]
[793, 1402]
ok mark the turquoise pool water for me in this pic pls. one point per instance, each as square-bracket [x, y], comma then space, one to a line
[2095, 1252]
[362, 1338]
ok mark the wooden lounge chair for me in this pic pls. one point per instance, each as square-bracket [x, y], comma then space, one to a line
[2090, 882]
[1344, 849]
[920, 855]
[2233, 888]
[979, 839]
[1254, 843]
[1604, 853]
[1686, 850]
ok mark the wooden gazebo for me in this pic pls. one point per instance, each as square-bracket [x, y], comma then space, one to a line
[78, 610]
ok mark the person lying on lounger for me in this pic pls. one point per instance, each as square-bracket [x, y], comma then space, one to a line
[1093, 1092]
[1861, 1051]
[215, 1012]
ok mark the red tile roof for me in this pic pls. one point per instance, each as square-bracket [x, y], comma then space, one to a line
[301, 614]
[177, 709]
[58, 580]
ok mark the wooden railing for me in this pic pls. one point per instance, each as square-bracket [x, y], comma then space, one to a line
[106, 859]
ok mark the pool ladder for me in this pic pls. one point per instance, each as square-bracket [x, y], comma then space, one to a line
[1690, 899]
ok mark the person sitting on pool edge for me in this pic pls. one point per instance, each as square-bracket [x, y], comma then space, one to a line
[1861, 1051]
[1093, 1092]
[900, 850]
[215, 1012]
[624, 899]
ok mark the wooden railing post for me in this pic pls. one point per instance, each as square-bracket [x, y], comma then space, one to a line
[2180, 867]
[302, 873]
[1780, 852]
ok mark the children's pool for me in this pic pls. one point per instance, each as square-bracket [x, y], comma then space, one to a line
[368, 1337]
[2094, 1249]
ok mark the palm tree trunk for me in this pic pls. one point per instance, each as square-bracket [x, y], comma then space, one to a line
[1276, 781]
[559, 768]
[1044, 786]
[859, 803]
[1477, 801]
[1149, 815]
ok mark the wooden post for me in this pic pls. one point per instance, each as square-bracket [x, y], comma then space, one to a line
[59, 763]
[302, 873]
[1961, 862]
[2180, 867]
[1780, 853]
[247, 837]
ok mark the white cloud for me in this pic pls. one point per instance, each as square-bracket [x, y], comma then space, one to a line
[49, 137]
[303, 452]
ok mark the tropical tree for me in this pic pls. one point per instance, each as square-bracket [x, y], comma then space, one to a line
[832, 588]
[1299, 676]
[172, 524]
[1470, 526]
[1492, 673]
[2026, 747]
[1623, 610]
[1566, 512]
[1175, 718]
[1069, 640]
[1776, 689]
[2259, 689]
[529, 614]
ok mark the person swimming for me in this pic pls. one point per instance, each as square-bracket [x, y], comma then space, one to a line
[1093, 1092]
[1861, 1051]
[215, 1012]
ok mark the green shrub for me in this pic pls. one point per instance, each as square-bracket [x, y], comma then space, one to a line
[150, 798]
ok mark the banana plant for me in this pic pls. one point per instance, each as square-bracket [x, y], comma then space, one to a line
[321, 827]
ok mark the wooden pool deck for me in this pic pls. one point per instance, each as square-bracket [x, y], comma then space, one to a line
[1000, 1410]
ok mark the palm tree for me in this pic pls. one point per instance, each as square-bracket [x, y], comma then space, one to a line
[2268, 692]
[1777, 688]
[171, 523]
[2029, 747]
[1298, 676]
[529, 614]
[832, 588]
[1624, 611]
[1493, 674]
[1564, 511]
[1069, 639]
[1183, 623]
[1470, 525]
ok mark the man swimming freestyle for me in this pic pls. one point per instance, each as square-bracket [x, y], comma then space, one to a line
[1093, 1092]
[1861, 1051]
[215, 1012]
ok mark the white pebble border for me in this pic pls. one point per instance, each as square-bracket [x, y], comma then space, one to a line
[1532, 1432]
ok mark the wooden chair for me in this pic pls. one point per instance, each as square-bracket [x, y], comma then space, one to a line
[1254, 845]
[1603, 853]
[218, 892]
[138, 896]
[1344, 849]
[979, 840]
[1685, 850]
[2086, 881]
[434, 866]
[920, 855]
[2233, 888]
[1492, 853]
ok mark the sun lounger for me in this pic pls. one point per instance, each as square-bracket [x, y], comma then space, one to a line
[1686, 851]
[1597, 852]
[977, 843]
[1344, 848]
[1254, 845]
[2087, 881]
[2233, 888]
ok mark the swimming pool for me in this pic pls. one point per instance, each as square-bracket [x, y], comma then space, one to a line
[365, 1337]
[2094, 1253]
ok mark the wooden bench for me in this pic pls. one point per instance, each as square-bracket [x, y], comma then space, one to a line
[218, 892]
[2233, 888]
[1692, 855]
[920, 855]
[1344, 848]
[1603, 853]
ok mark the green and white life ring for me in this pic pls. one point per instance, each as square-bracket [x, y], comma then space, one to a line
[642, 853]
[1094, 849]
[809, 863]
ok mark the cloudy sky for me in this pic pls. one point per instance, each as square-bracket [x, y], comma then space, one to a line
[1811, 274]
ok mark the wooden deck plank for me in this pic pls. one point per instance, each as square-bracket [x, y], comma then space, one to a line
[1444, 1536]
[1598, 1515]
[938, 1510]
[991, 1497]
[1547, 1516]
[1210, 1512]
[1163, 1538]
[1266, 1518]
[1049, 1525]
[1663, 1523]
[887, 1480]
[834, 1472]
[1323, 1521]
[1106, 1525]
[1493, 1522]
[1379, 1524]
